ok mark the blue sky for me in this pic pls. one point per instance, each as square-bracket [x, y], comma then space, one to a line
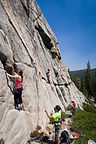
[74, 24]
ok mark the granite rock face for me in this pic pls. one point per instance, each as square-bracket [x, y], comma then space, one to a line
[28, 43]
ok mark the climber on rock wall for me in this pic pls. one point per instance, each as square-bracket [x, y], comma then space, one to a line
[48, 75]
[18, 89]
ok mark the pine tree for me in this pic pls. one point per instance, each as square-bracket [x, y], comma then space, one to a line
[77, 82]
[94, 87]
[83, 89]
[88, 80]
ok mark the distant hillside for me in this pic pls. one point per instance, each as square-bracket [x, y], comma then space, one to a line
[81, 73]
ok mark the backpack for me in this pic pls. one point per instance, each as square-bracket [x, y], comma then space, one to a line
[47, 74]
[65, 137]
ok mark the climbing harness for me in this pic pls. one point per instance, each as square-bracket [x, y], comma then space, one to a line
[57, 122]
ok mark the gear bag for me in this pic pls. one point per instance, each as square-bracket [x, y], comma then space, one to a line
[65, 137]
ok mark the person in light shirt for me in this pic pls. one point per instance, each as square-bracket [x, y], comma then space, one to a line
[57, 117]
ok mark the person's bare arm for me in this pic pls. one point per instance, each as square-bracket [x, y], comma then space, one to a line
[13, 76]
[48, 114]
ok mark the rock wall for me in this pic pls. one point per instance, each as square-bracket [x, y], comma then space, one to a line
[28, 43]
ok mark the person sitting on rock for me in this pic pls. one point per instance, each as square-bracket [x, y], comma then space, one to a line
[57, 117]
[48, 75]
[18, 89]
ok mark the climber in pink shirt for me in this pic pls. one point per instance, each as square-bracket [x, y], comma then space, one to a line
[18, 89]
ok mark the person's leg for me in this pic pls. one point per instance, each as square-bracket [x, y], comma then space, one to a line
[16, 101]
[57, 140]
[20, 100]
[73, 113]
[48, 80]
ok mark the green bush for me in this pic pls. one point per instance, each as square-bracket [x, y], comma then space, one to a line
[89, 108]
[34, 133]
[90, 101]
[69, 107]
[1, 141]
[85, 122]
[63, 116]
[38, 127]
